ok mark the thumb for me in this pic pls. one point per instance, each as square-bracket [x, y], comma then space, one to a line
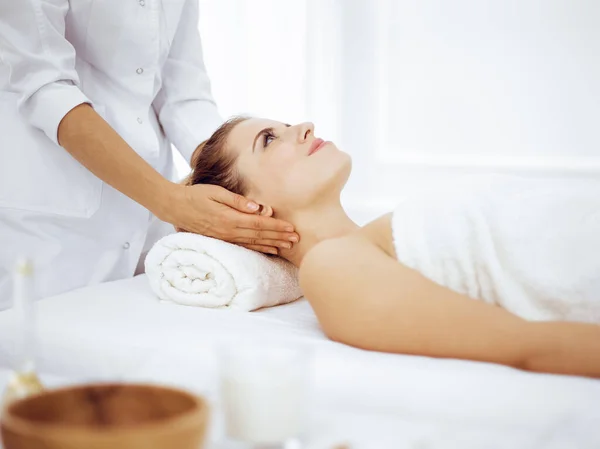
[236, 201]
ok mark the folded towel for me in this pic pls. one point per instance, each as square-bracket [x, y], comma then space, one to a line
[195, 270]
[529, 245]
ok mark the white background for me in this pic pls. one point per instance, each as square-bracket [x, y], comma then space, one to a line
[417, 90]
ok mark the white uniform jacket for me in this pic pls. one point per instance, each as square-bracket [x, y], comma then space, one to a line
[139, 63]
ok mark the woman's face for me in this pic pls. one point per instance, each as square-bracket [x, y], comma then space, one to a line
[287, 167]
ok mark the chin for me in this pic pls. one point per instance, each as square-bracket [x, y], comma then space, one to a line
[326, 182]
[337, 176]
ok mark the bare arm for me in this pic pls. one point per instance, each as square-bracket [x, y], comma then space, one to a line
[42, 66]
[366, 299]
[97, 146]
[205, 209]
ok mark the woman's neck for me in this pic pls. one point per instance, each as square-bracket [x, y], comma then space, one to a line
[314, 225]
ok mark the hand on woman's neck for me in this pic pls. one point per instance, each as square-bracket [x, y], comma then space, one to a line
[323, 222]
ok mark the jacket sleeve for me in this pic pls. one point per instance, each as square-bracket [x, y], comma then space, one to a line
[40, 61]
[184, 104]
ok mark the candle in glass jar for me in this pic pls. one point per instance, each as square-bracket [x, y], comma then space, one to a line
[265, 393]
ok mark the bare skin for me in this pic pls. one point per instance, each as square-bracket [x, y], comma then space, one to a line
[399, 310]
[207, 210]
[361, 294]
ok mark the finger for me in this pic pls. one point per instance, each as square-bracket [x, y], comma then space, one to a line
[262, 249]
[235, 201]
[242, 235]
[264, 242]
[263, 223]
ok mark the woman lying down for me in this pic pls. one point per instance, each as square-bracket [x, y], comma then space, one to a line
[505, 275]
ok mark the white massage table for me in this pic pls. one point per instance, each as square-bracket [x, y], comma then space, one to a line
[120, 331]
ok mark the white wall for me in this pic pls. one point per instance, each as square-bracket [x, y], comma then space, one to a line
[483, 78]
[417, 90]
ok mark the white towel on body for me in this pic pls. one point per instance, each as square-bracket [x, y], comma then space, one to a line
[529, 245]
[195, 270]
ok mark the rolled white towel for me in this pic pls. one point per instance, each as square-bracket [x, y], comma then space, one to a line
[195, 270]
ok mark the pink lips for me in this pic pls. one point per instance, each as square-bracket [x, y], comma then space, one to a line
[317, 145]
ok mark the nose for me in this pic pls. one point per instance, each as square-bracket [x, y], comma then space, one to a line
[305, 130]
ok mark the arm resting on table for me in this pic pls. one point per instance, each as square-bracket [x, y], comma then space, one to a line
[366, 299]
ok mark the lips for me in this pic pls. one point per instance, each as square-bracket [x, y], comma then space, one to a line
[316, 145]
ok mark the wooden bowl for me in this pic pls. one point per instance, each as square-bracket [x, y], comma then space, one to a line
[106, 416]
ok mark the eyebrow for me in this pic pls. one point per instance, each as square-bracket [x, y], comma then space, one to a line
[263, 131]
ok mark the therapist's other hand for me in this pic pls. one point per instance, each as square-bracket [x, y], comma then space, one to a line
[216, 212]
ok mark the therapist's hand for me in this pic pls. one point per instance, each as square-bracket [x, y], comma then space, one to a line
[216, 212]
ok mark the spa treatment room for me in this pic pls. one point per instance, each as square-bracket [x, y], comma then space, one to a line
[299, 224]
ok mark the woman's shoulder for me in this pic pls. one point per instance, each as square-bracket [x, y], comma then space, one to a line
[323, 256]
[379, 233]
[319, 265]
[330, 254]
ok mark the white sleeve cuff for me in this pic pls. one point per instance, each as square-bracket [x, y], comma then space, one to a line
[47, 106]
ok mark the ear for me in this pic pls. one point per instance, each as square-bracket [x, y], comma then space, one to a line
[264, 210]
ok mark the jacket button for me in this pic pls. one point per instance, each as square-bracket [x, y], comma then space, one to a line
[139, 120]
[126, 245]
[142, 3]
[139, 71]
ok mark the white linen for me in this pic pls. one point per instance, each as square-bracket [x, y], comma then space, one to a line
[195, 270]
[140, 64]
[529, 245]
[118, 331]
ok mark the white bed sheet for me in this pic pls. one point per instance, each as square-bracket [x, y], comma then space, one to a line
[119, 330]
